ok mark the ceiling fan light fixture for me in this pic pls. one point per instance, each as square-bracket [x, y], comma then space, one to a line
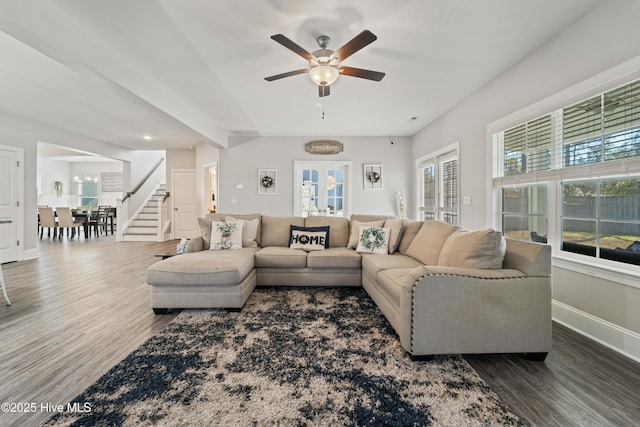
[324, 75]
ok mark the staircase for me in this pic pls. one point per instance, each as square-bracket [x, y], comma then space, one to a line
[144, 225]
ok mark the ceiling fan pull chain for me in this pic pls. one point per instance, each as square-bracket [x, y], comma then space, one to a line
[323, 108]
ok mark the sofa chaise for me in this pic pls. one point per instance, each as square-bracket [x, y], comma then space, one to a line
[443, 289]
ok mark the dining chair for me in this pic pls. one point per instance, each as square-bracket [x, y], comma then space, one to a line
[66, 220]
[99, 222]
[4, 287]
[47, 220]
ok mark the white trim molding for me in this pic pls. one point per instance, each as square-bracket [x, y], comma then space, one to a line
[622, 340]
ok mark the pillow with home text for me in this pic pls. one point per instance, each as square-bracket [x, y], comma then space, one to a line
[309, 238]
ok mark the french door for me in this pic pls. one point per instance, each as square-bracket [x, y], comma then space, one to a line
[322, 188]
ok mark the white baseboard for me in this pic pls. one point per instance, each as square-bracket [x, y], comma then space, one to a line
[30, 254]
[606, 333]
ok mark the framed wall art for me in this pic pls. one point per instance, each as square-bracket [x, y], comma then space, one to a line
[372, 177]
[267, 181]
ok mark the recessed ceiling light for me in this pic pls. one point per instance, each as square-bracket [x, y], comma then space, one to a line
[147, 138]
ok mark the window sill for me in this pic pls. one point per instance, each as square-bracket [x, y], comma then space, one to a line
[625, 274]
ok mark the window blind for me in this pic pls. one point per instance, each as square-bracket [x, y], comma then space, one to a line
[602, 130]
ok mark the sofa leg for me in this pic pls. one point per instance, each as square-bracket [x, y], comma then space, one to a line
[423, 358]
[160, 310]
[536, 357]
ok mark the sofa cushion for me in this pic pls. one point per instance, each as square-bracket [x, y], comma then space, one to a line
[409, 231]
[281, 257]
[226, 234]
[205, 227]
[249, 231]
[391, 282]
[354, 236]
[205, 268]
[309, 238]
[339, 228]
[428, 243]
[376, 263]
[334, 258]
[395, 232]
[275, 229]
[369, 218]
[373, 240]
[483, 249]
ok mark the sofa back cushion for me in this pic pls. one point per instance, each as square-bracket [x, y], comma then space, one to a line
[205, 228]
[409, 231]
[369, 218]
[395, 232]
[483, 249]
[429, 240]
[338, 229]
[275, 229]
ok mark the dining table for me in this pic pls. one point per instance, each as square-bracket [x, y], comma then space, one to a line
[88, 214]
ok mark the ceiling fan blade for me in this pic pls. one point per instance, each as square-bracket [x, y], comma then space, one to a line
[283, 75]
[324, 91]
[362, 73]
[355, 44]
[291, 45]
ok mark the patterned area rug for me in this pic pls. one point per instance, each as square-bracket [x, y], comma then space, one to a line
[291, 357]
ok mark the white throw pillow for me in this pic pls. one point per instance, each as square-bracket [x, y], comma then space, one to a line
[249, 231]
[355, 231]
[226, 235]
[373, 240]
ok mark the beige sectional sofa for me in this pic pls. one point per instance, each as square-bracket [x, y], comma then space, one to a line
[444, 290]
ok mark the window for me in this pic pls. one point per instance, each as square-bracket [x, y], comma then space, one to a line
[438, 186]
[599, 138]
[524, 212]
[88, 195]
[600, 218]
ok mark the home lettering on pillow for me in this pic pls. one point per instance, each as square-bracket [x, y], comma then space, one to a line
[309, 239]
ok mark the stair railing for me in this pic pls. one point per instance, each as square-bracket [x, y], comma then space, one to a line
[164, 218]
[123, 219]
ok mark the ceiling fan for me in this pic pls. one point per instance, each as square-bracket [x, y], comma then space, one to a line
[324, 64]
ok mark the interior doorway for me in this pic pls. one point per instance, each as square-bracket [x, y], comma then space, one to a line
[211, 187]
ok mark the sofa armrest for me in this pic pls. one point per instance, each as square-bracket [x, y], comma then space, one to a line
[194, 245]
[449, 310]
[419, 273]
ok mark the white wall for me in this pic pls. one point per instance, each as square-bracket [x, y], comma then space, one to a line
[50, 171]
[601, 40]
[239, 166]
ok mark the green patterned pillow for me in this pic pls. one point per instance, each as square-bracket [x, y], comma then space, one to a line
[373, 240]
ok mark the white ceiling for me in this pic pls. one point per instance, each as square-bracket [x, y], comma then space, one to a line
[191, 71]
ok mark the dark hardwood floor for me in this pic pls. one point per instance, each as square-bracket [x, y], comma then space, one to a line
[83, 306]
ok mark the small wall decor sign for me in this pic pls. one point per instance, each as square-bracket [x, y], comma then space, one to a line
[324, 147]
[372, 177]
[267, 182]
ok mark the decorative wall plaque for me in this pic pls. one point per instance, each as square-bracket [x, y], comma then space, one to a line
[324, 147]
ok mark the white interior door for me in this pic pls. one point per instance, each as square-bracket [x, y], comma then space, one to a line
[10, 211]
[183, 194]
[322, 188]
